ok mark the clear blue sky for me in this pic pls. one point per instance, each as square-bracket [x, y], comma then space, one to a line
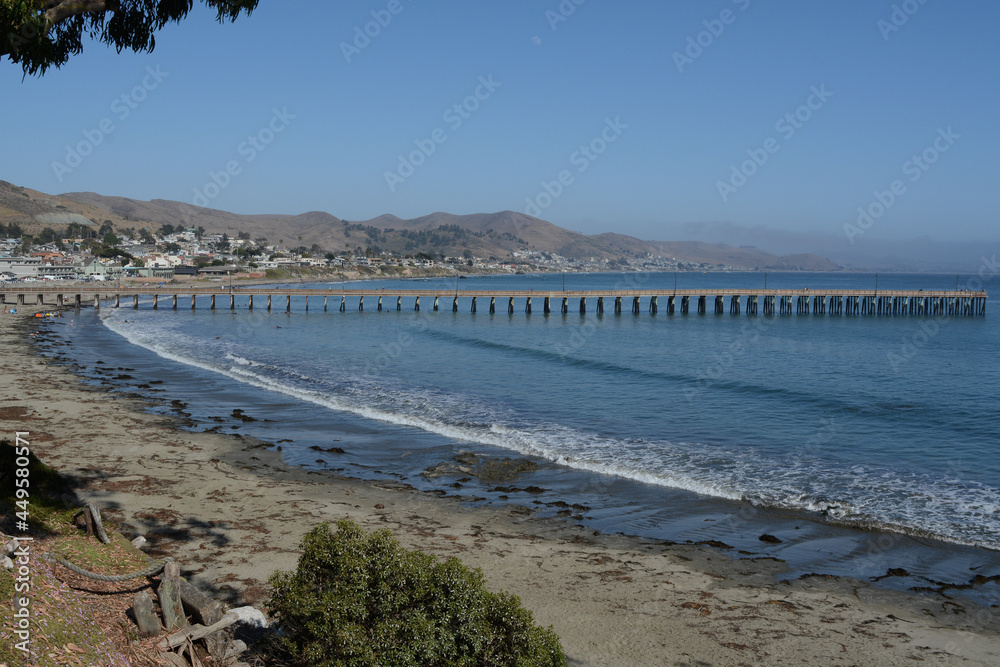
[559, 83]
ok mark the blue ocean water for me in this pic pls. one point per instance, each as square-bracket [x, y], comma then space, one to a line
[680, 427]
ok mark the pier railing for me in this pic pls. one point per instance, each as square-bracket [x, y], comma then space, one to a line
[956, 303]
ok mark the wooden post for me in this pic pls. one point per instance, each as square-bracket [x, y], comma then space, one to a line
[170, 598]
[145, 617]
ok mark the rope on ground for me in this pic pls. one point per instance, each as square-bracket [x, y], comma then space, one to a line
[150, 571]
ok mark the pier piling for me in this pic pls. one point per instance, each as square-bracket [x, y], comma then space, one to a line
[895, 303]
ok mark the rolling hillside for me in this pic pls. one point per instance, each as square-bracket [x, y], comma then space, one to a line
[480, 234]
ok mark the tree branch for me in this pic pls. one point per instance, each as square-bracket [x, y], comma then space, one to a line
[60, 11]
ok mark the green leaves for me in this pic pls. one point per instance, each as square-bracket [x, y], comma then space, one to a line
[361, 599]
[40, 35]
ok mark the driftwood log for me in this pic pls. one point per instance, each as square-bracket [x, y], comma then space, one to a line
[202, 608]
[196, 632]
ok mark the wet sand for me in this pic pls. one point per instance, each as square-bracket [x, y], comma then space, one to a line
[232, 512]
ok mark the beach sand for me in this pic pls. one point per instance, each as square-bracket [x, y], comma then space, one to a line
[232, 512]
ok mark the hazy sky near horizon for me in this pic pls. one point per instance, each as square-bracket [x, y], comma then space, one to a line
[637, 117]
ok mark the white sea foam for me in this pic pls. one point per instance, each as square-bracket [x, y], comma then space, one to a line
[962, 512]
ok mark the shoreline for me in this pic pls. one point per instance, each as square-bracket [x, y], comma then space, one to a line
[232, 511]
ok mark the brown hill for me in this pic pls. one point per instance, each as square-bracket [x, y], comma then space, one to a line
[480, 234]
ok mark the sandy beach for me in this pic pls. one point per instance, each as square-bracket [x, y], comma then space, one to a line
[232, 512]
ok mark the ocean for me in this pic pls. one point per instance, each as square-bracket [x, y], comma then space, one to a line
[862, 444]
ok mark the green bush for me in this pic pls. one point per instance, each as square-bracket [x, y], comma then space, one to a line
[361, 599]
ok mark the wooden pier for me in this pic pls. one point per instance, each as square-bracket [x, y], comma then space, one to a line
[936, 303]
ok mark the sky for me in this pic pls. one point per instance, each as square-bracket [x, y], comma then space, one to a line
[836, 123]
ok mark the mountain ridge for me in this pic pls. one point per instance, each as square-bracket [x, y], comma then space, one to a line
[478, 234]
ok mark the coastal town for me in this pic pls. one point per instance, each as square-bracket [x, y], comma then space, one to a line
[102, 253]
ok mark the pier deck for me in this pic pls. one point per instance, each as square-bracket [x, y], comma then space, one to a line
[803, 301]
